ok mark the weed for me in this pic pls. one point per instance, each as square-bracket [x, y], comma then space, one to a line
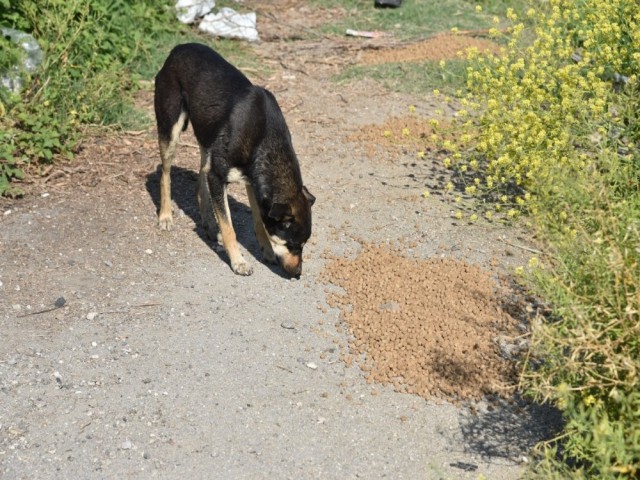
[551, 128]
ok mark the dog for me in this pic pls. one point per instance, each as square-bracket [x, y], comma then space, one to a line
[243, 137]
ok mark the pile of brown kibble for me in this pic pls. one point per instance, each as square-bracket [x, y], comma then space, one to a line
[425, 326]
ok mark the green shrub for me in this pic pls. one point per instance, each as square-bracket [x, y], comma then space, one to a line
[552, 127]
[86, 77]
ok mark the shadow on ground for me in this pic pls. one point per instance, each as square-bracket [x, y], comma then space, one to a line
[510, 431]
[183, 193]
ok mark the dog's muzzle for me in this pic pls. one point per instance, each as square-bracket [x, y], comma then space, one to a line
[292, 264]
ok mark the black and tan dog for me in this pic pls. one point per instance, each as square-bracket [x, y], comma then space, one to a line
[243, 137]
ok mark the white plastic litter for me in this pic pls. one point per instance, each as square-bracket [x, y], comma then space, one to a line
[188, 10]
[230, 24]
[13, 79]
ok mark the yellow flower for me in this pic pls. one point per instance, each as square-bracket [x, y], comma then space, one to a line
[533, 262]
[478, 8]
[386, 133]
[519, 271]
[426, 194]
[488, 215]
[405, 132]
[458, 214]
[420, 154]
[473, 218]
[412, 108]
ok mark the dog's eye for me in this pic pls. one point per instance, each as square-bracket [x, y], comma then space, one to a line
[286, 225]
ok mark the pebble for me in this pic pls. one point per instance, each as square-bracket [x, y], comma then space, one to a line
[7, 212]
[60, 302]
[287, 325]
[312, 365]
[148, 251]
[92, 315]
[127, 445]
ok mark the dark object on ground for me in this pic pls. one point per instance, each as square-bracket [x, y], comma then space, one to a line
[387, 3]
[467, 467]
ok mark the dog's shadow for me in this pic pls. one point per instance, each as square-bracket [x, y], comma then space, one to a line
[183, 193]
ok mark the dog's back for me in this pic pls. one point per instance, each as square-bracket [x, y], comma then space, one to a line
[198, 72]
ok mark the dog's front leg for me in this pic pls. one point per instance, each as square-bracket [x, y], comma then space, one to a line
[218, 189]
[261, 234]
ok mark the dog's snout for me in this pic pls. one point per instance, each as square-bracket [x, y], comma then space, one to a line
[292, 264]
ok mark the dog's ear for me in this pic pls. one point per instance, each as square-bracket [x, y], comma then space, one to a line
[310, 198]
[279, 211]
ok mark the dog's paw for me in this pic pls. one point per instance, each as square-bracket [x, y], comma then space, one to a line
[242, 268]
[165, 223]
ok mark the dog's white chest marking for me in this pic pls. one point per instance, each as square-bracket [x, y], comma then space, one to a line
[236, 176]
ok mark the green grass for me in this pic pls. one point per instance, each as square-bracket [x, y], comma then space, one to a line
[418, 78]
[415, 19]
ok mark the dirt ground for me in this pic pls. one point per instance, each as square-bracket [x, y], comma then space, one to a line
[129, 352]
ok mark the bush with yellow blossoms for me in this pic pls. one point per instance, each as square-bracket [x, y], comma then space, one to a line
[550, 127]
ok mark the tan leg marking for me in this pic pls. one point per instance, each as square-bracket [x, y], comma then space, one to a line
[238, 264]
[261, 233]
[167, 154]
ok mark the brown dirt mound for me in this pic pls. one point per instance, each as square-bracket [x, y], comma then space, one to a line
[440, 47]
[428, 327]
[410, 133]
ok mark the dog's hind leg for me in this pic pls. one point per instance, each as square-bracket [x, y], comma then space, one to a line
[261, 233]
[218, 189]
[204, 197]
[168, 144]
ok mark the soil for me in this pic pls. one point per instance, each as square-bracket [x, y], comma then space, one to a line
[129, 352]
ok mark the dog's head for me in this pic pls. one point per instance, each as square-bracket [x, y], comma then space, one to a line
[288, 227]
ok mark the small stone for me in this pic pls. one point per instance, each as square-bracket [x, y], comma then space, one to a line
[17, 307]
[92, 315]
[108, 263]
[287, 325]
[7, 212]
[60, 302]
[146, 455]
[126, 445]
[312, 365]
[148, 251]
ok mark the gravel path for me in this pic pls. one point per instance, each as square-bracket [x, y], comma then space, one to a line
[159, 362]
